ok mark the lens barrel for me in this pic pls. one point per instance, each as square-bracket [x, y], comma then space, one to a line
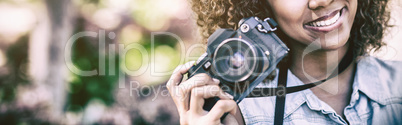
[236, 60]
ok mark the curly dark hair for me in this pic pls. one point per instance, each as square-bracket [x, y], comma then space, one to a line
[370, 23]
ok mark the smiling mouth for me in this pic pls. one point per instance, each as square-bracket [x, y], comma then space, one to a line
[327, 20]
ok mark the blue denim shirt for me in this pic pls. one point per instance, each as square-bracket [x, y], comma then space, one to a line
[376, 99]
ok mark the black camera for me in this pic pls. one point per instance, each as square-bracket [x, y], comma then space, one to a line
[241, 59]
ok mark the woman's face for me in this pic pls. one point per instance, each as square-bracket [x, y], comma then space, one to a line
[326, 21]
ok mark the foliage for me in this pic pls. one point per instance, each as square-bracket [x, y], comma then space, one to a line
[85, 88]
[17, 58]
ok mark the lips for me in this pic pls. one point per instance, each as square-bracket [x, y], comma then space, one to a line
[326, 23]
[326, 20]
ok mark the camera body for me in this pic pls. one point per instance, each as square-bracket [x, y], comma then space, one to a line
[241, 59]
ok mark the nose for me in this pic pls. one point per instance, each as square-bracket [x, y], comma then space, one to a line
[316, 4]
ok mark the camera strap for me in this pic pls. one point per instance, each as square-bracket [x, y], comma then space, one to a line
[281, 91]
[265, 92]
[280, 99]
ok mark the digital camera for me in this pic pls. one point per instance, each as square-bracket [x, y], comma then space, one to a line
[241, 59]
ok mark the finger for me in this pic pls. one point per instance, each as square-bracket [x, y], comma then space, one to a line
[221, 107]
[198, 80]
[185, 88]
[177, 75]
[181, 93]
[230, 120]
[198, 95]
[209, 91]
[174, 80]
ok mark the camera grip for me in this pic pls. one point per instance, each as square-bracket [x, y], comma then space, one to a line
[209, 103]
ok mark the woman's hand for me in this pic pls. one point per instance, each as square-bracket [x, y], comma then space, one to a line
[201, 86]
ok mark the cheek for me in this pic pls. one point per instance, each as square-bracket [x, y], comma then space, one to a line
[288, 11]
[290, 15]
[346, 29]
[353, 11]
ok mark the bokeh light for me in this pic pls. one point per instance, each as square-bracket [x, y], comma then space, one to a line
[36, 86]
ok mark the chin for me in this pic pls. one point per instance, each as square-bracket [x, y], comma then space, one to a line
[333, 40]
[331, 45]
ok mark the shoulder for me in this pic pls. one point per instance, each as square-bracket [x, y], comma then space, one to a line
[387, 71]
[380, 79]
[389, 65]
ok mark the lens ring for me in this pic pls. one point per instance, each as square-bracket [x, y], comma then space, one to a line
[229, 73]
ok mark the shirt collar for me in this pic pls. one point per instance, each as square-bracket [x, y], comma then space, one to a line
[365, 81]
[295, 100]
[369, 79]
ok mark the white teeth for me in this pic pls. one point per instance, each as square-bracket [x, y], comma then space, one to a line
[332, 20]
[326, 22]
[322, 23]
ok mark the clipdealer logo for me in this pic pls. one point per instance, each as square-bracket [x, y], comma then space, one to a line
[147, 56]
[135, 86]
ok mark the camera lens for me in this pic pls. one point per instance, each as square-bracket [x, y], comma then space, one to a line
[235, 60]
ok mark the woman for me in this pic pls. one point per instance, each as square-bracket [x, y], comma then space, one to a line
[365, 93]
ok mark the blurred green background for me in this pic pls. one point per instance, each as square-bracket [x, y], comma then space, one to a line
[38, 87]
